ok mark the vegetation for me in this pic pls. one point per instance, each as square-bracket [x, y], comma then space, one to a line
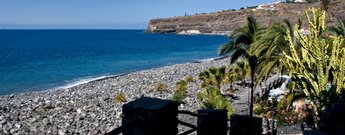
[338, 30]
[213, 76]
[181, 86]
[161, 87]
[190, 79]
[178, 97]
[316, 63]
[120, 98]
[212, 99]
[241, 39]
[180, 91]
[288, 116]
[242, 69]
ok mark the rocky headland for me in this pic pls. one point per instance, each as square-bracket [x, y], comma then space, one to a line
[228, 20]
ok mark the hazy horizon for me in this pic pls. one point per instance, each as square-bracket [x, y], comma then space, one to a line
[107, 14]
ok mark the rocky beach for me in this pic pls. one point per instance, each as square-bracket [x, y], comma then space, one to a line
[91, 108]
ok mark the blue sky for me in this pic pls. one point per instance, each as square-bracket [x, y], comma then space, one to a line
[104, 14]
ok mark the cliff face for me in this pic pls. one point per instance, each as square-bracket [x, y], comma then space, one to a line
[230, 20]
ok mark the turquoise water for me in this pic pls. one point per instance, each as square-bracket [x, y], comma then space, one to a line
[33, 60]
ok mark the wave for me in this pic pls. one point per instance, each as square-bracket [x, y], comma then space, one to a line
[210, 59]
[85, 80]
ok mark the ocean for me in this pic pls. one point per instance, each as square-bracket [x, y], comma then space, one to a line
[35, 60]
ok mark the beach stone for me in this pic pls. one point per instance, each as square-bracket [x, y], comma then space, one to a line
[78, 110]
[36, 100]
[61, 132]
[17, 125]
[2, 122]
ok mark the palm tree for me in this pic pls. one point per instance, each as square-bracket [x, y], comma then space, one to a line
[230, 77]
[242, 68]
[324, 4]
[212, 98]
[270, 47]
[241, 39]
[213, 76]
[338, 30]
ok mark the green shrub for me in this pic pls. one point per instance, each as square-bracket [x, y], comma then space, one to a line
[180, 91]
[120, 98]
[212, 99]
[161, 87]
[190, 79]
[290, 116]
[181, 86]
[260, 109]
[178, 97]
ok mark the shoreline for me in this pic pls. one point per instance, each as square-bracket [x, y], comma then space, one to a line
[83, 80]
[90, 108]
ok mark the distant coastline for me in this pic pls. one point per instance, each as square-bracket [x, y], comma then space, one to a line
[229, 20]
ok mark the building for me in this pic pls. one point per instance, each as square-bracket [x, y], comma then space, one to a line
[265, 7]
[304, 31]
[300, 1]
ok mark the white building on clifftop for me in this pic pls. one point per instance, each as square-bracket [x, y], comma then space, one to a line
[189, 32]
[296, 1]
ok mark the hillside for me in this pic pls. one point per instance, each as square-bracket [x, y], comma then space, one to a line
[230, 20]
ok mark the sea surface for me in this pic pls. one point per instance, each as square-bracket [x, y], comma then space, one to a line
[35, 60]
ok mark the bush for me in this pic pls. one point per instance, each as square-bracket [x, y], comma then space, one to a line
[181, 86]
[190, 79]
[161, 87]
[290, 116]
[180, 91]
[212, 99]
[284, 113]
[261, 108]
[178, 97]
[120, 98]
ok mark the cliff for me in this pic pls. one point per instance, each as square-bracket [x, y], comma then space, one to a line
[230, 20]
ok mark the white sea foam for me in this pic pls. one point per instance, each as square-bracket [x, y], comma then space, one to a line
[211, 59]
[86, 80]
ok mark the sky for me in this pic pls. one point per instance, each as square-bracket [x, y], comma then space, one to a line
[104, 14]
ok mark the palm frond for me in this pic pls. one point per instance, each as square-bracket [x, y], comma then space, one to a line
[238, 54]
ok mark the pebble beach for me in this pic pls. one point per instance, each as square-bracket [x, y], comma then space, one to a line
[91, 108]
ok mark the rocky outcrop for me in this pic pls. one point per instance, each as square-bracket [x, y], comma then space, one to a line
[230, 20]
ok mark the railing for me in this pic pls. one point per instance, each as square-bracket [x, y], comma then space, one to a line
[147, 116]
[193, 127]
